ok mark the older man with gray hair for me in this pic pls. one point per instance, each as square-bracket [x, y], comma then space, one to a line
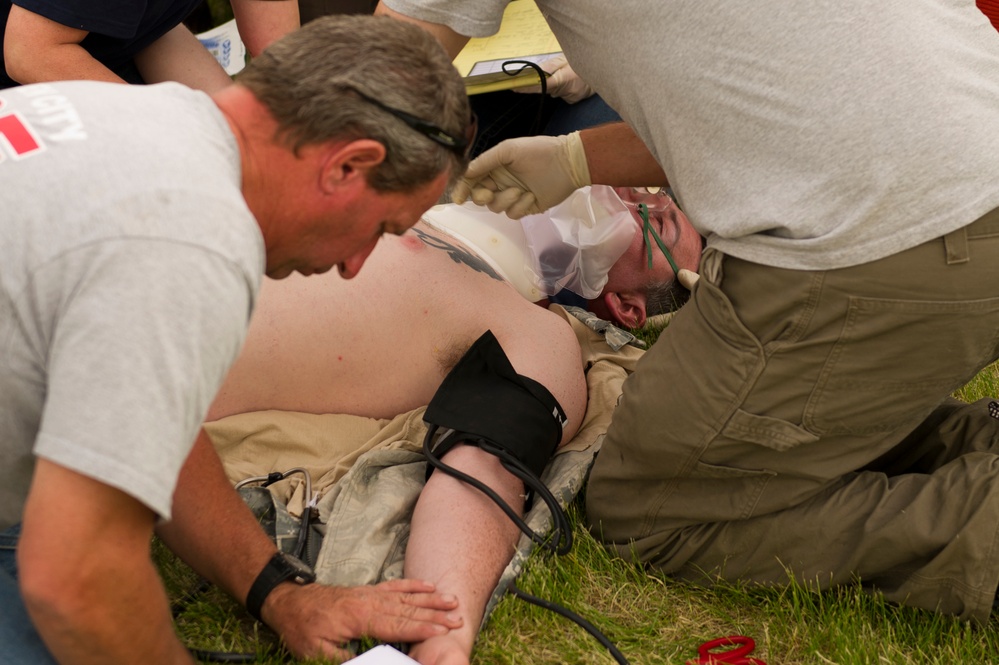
[137, 223]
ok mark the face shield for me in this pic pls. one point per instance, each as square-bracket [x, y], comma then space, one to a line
[573, 245]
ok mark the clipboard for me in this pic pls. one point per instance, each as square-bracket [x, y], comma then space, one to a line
[523, 35]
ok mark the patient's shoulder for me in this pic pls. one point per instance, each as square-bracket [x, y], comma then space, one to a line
[540, 344]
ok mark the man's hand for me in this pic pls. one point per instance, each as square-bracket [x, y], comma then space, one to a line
[563, 82]
[316, 619]
[525, 176]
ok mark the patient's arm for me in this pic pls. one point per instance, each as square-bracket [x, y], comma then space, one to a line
[459, 539]
[214, 532]
[462, 540]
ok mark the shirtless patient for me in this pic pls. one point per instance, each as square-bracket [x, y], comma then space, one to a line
[380, 345]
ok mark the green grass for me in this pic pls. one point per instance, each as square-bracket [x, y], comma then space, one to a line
[653, 619]
[986, 384]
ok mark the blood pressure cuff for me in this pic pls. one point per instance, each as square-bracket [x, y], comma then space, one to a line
[484, 399]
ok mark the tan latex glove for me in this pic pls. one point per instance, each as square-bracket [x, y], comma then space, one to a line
[525, 176]
[563, 82]
[688, 278]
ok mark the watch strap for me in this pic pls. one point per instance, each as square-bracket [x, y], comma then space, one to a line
[279, 569]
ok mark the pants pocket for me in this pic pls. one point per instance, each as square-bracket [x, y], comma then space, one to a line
[896, 358]
[718, 493]
[772, 433]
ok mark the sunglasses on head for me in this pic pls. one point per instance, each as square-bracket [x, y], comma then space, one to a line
[460, 146]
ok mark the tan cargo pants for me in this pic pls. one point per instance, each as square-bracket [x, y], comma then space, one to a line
[797, 424]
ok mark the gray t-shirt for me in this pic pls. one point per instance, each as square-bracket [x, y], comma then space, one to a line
[129, 267]
[808, 135]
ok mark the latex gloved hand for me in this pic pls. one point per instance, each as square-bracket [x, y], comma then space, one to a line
[525, 176]
[563, 82]
[688, 278]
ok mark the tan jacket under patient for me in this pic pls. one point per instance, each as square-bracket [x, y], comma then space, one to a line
[369, 472]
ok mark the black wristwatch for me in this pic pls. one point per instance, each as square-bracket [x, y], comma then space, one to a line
[281, 568]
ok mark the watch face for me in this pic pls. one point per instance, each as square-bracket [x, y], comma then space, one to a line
[302, 573]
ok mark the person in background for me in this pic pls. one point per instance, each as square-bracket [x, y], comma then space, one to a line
[138, 221]
[137, 42]
[569, 106]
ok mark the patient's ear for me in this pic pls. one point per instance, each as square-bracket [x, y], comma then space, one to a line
[349, 162]
[626, 308]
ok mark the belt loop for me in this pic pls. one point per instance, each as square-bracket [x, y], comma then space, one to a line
[956, 246]
[711, 266]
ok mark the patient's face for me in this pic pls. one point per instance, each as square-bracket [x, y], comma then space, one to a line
[632, 270]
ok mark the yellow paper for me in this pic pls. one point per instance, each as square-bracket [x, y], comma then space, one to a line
[523, 35]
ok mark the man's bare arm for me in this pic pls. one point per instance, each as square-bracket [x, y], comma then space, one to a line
[214, 532]
[86, 575]
[261, 22]
[39, 49]
[179, 56]
[616, 156]
[449, 39]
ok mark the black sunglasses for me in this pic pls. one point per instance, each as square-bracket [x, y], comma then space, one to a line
[458, 145]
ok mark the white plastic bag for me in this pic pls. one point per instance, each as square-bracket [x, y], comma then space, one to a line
[573, 245]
